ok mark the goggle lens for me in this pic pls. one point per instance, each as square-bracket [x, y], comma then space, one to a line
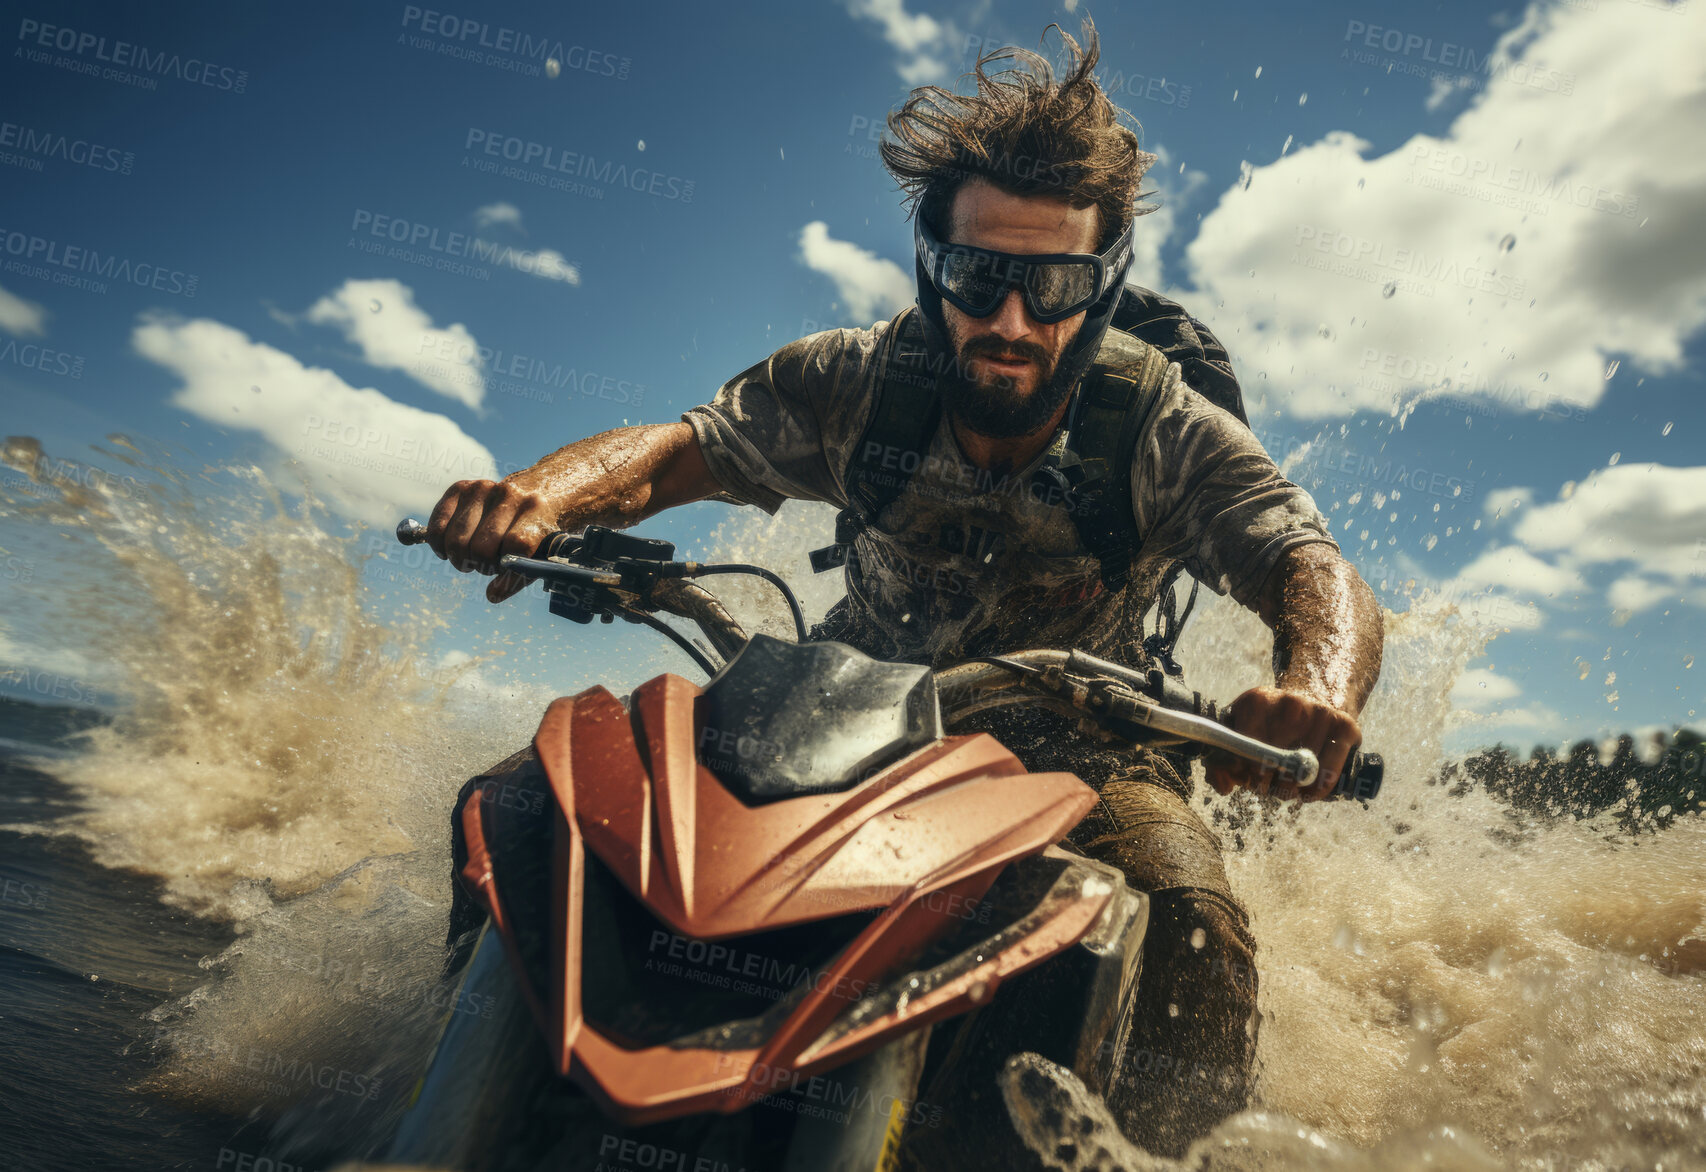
[1056, 287]
[977, 280]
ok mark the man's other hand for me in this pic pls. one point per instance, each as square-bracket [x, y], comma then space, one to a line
[477, 522]
[1286, 720]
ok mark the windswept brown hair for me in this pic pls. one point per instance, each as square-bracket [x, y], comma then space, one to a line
[1026, 133]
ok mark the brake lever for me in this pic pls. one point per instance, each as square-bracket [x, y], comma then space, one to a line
[574, 592]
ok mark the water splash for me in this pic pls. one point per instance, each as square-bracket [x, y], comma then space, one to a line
[1446, 981]
[282, 761]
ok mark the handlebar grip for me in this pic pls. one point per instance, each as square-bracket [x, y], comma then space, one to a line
[1362, 776]
[558, 544]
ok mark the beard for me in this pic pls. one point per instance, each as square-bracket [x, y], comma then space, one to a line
[995, 406]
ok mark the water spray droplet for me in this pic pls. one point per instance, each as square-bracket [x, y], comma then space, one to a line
[1665, 430]
[642, 144]
[1544, 376]
[1198, 938]
[1611, 369]
[1615, 456]
[1391, 288]
[1258, 71]
[374, 306]
[1496, 963]
[553, 67]
[1303, 98]
[1507, 242]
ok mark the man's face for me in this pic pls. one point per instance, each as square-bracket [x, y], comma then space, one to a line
[1008, 359]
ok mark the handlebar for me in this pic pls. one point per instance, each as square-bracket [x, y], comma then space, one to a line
[1147, 707]
[1188, 713]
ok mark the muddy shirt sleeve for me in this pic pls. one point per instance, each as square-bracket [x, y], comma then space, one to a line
[1206, 493]
[784, 428]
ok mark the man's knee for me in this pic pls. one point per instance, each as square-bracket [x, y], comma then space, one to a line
[1143, 826]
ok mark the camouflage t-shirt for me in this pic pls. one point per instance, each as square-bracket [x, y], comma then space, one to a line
[970, 564]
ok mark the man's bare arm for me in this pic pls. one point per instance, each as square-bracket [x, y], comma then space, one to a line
[1328, 639]
[617, 478]
[1328, 634]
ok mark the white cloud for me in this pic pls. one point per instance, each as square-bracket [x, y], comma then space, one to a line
[20, 317]
[1478, 687]
[1633, 593]
[1506, 500]
[1483, 710]
[546, 263]
[1540, 720]
[1173, 193]
[1650, 514]
[902, 29]
[469, 678]
[381, 317]
[498, 213]
[921, 39]
[869, 286]
[1516, 570]
[372, 458]
[1472, 226]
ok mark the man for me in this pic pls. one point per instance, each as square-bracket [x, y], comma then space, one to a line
[989, 530]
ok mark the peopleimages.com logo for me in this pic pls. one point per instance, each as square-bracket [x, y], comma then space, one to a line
[67, 264]
[126, 62]
[1444, 61]
[34, 146]
[528, 153]
[425, 242]
[500, 47]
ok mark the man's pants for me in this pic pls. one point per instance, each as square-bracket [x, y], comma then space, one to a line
[1193, 1035]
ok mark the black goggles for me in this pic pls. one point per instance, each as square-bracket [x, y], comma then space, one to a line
[1055, 285]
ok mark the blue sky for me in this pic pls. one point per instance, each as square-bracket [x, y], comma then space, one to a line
[1426, 235]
